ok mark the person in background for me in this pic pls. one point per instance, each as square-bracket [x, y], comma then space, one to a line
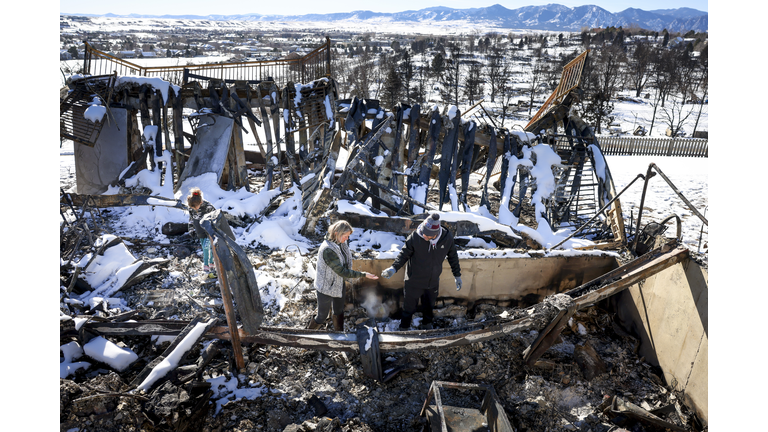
[198, 207]
[334, 264]
[422, 256]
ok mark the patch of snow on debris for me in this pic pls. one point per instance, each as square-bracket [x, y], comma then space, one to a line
[172, 360]
[109, 353]
[71, 351]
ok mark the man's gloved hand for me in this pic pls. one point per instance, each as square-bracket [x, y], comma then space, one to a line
[458, 283]
[388, 273]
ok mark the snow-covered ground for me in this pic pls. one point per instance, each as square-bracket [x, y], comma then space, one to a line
[689, 175]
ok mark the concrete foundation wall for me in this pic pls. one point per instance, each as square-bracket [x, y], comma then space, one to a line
[520, 281]
[668, 312]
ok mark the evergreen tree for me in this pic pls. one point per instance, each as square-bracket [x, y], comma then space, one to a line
[392, 90]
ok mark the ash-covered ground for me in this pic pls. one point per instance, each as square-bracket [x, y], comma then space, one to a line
[294, 389]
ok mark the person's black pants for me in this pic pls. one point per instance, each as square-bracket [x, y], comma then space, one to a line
[412, 296]
[326, 304]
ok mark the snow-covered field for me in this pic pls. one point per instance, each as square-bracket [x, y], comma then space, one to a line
[689, 175]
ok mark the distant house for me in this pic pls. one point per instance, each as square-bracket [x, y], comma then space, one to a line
[64, 55]
[126, 54]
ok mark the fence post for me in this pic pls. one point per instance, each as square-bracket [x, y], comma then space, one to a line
[86, 59]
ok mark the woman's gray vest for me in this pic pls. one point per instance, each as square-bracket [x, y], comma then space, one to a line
[326, 280]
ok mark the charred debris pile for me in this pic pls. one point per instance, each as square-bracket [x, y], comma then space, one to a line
[146, 344]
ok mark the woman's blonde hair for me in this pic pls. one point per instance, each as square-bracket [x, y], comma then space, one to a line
[338, 229]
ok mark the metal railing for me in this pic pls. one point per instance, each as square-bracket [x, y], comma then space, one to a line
[646, 146]
[316, 64]
[639, 146]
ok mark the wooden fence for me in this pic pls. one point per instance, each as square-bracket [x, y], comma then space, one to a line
[314, 65]
[644, 146]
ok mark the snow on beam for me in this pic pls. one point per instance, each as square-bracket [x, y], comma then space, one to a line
[158, 368]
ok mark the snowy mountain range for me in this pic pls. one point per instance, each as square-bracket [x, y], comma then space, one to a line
[548, 17]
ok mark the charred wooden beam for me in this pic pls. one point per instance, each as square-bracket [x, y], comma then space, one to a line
[551, 332]
[406, 225]
[122, 200]
[402, 225]
[627, 275]
[235, 270]
[316, 210]
[174, 345]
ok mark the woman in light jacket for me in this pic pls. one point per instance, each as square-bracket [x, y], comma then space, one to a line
[334, 264]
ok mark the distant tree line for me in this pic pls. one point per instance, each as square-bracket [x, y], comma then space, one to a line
[500, 69]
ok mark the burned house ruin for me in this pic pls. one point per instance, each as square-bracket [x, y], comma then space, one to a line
[179, 123]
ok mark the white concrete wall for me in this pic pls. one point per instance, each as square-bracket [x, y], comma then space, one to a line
[668, 311]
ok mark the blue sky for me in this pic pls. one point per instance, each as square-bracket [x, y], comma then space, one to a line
[298, 7]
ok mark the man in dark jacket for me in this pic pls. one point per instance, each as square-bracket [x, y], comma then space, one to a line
[423, 255]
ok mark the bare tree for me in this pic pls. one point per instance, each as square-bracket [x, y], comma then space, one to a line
[405, 68]
[423, 74]
[360, 75]
[450, 79]
[496, 72]
[507, 93]
[379, 68]
[663, 67]
[603, 82]
[537, 77]
[473, 83]
[704, 84]
[639, 67]
[674, 115]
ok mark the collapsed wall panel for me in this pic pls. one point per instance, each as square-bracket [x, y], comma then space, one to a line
[99, 166]
[669, 313]
[209, 154]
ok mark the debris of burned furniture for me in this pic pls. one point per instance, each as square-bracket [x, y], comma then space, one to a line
[73, 124]
[445, 416]
[624, 413]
